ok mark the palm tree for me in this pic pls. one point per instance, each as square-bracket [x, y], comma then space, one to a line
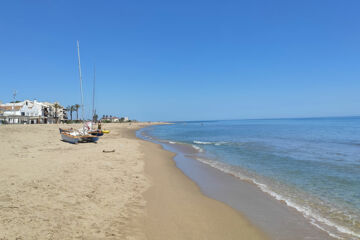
[95, 118]
[71, 109]
[56, 106]
[76, 109]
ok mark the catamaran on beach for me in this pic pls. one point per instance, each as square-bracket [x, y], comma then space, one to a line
[86, 133]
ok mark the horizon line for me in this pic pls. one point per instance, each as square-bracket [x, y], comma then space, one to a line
[275, 118]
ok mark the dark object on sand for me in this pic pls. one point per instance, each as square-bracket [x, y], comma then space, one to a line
[109, 151]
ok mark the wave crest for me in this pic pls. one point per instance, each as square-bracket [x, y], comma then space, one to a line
[208, 143]
[197, 148]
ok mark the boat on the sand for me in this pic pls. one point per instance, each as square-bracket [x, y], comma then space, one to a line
[71, 138]
[85, 134]
[97, 132]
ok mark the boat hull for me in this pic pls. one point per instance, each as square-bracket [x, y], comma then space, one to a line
[96, 133]
[89, 138]
[69, 138]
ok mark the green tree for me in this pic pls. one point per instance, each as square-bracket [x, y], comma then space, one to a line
[56, 106]
[76, 109]
[95, 118]
[71, 109]
[68, 109]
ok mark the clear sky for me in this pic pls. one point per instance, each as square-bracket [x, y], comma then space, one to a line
[186, 60]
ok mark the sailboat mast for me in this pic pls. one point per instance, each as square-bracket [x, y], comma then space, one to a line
[81, 88]
[93, 103]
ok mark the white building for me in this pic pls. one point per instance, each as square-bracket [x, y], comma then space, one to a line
[30, 112]
[114, 119]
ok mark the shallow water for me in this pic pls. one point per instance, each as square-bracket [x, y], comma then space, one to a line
[313, 165]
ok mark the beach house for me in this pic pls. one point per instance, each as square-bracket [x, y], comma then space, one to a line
[114, 119]
[110, 119]
[32, 112]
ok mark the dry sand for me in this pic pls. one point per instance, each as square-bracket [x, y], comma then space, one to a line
[50, 189]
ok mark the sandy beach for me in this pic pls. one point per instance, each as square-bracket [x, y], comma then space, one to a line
[54, 190]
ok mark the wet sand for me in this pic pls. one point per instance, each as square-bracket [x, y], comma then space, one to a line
[55, 190]
[176, 208]
[273, 217]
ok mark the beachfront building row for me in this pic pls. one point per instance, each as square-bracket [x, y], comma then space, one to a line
[32, 112]
[114, 119]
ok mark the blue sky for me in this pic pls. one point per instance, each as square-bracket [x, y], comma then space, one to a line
[186, 60]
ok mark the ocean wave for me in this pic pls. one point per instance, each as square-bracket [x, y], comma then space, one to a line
[309, 211]
[314, 218]
[200, 142]
[197, 148]
[208, 143]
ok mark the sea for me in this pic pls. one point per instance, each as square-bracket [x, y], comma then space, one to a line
[312, 165]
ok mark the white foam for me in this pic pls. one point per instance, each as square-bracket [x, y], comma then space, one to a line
[197, 148]
[208, 143]
[200, 142]
[307, 212]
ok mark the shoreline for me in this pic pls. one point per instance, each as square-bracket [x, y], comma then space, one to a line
[55, 190]
[176, 203]
[275, 218]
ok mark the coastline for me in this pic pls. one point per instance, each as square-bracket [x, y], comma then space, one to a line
[177, 209]
[275, 218]
[54, 190]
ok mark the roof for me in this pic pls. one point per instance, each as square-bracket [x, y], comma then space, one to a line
[10, 108]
